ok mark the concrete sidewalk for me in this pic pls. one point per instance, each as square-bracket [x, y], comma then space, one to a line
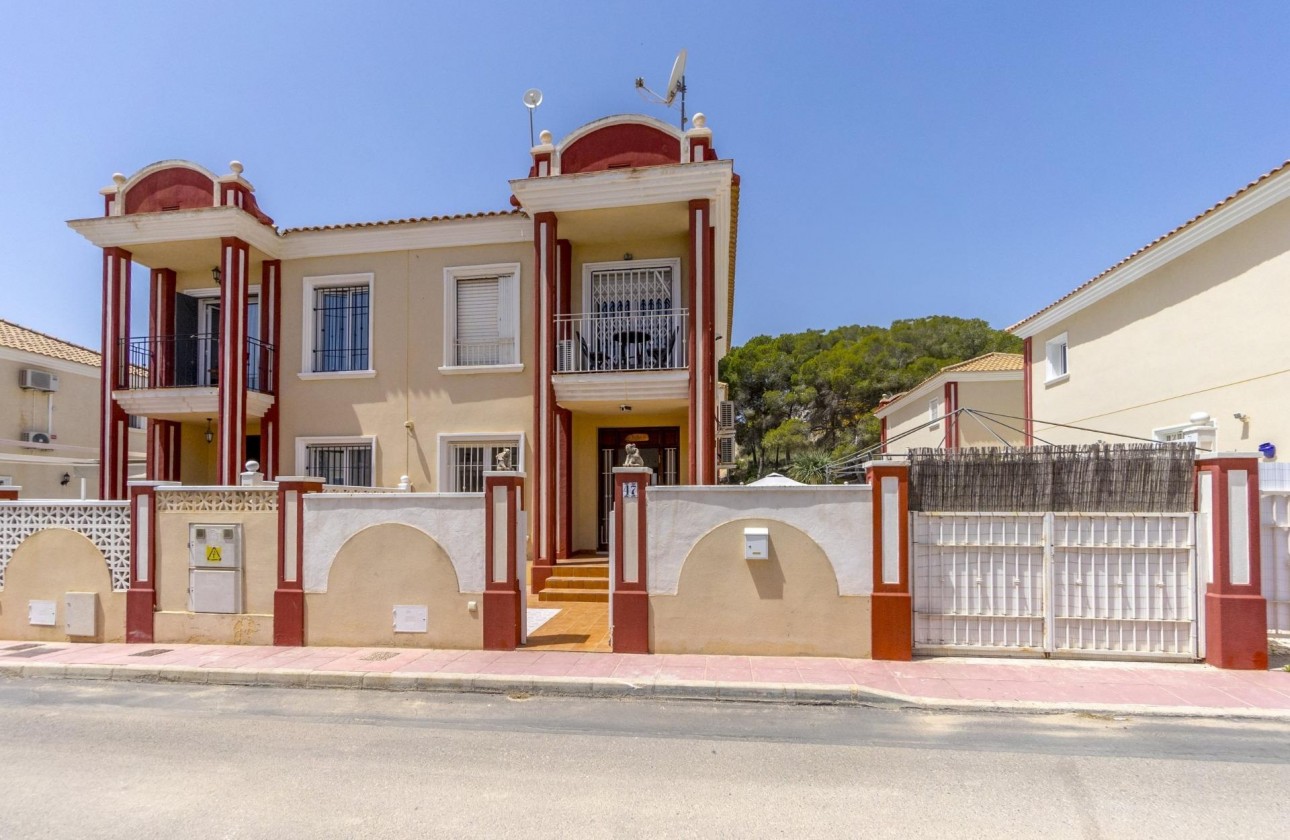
[939, 683]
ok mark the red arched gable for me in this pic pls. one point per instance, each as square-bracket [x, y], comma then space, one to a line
[622, 145]
[177, 188]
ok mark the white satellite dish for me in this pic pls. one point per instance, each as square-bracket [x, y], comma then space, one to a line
[677, 80]
[675, 85]
[532, 98]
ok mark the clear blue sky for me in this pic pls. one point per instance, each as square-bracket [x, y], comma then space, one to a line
[898, 159]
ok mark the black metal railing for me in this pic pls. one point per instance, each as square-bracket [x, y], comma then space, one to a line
[191, 361]
[627, 341]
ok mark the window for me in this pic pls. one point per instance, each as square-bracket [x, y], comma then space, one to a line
[1056, 352]
[6, 481]
[135, 421]
[481, 306]
[463, 460]
[338, 312]
[933, 409]
[347, 461]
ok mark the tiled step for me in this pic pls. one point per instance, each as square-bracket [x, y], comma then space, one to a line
[594, 596]
[598, 583]
[598, 570]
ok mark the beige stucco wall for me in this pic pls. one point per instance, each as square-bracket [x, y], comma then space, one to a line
[173, 621]
[786, 605]
[45, 567]
[991, 395]
[586, 462]
[1204, 332]
[383, 566]
[407, 351]
[75, 430]
[908, 416]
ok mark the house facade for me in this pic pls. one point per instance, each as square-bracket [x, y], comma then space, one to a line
[1180, 341]
[49, 430]
[937, 413]
[589, 316]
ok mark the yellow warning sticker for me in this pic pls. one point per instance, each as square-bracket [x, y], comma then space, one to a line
[212, 554]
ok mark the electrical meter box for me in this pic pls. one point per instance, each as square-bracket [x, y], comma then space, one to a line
[756, 543]
[215, 568]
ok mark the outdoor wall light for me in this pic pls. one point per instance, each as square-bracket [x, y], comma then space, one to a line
[66, 478]
[210, 436]
[624, 407]
[215, 275]
[1244, 418]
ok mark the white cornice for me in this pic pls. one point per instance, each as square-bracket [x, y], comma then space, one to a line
[627, 387]
[181, 403]
[1251, 203]
[625, 187]
[179, 226]
[25, 357]
[445, 233]
[936, 384]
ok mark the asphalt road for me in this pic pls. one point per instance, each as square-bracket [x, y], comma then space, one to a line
[102, 760]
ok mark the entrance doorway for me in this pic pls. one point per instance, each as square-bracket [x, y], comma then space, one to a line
[660, 449]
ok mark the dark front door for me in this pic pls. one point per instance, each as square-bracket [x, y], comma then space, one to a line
[660, 449]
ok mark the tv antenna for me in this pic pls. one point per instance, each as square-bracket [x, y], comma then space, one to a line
[675, 85]
[532, 99]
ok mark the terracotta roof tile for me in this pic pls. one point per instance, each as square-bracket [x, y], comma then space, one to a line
[987, 363]
[21, 338]
[418, 220]
[1256, 182]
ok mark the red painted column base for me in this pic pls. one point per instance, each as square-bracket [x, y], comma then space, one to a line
[501, 620]
[139, 615]
[539, 574]
[892, 620]
[1236, 631]
[631, 622]
[289, 618]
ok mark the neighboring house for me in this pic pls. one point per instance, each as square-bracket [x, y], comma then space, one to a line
[589, 317]
[1183, 340]
[49, 416]
[934, 413]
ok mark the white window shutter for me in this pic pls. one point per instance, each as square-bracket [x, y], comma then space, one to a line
[477, 321]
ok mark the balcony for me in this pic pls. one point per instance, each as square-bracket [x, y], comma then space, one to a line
[614, 357]
[177, 376]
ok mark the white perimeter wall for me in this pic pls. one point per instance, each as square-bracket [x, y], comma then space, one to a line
[838, 518]
[454, 520]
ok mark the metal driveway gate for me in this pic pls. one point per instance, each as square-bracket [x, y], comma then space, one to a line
[1069, 584]
[1276, 559]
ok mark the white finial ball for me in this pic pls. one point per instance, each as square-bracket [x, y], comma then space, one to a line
[545, 137]
[700, 121]
[235, 166]
[118, 179]
[1199, 417]
[405, 479]
[252, 466]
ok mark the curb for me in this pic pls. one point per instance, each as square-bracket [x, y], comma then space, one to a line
[603, 687]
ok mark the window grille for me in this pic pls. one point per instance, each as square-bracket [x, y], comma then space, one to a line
[468, 461]
[341, 328]
[349, 464]
[485, 323]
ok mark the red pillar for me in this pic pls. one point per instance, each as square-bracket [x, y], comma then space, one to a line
[701, 346]
[503, 552]
[270, 330]
[892, 613]
[141, 599]
[544, 420]
[1027, 386]
[1236, 613]
[951, 416]
[234, 264]
[163, 435]
[630, 630]
[289, 597]
[114, 432]
[563, 417]
[9, 493]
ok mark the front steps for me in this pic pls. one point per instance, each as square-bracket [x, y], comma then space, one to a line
[584, 581]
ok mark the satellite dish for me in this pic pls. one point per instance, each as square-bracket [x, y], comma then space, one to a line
[677, 80]
[532, 98]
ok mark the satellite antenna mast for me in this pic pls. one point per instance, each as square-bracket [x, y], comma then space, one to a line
[532, 99]
[675, 85]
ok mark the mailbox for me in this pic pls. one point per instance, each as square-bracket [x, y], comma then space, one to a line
[756, 543]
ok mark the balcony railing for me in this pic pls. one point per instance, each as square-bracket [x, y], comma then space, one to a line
[190, 361]
[653, 340]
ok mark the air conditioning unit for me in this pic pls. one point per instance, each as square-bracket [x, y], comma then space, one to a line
[37, 380]
[726, 451]
[726, 415]
[35, 437]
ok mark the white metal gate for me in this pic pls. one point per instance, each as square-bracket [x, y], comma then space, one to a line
[1276, 559]
[1069, 584]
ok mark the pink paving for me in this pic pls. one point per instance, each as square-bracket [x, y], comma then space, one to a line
[994, 681]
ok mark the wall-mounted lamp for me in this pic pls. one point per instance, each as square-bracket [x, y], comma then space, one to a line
[66, 478]
[215, 275]
[624, 407]
[210, 436]
[629, 256]
[1244, 418]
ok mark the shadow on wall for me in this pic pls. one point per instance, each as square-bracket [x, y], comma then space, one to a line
[785, 605]
[383, 566]
[45, 567]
